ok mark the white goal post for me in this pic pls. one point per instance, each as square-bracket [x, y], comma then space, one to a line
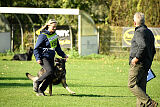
[58, 11]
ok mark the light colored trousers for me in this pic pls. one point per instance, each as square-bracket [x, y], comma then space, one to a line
[137, 81]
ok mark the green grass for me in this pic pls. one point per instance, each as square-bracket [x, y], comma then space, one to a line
[100, 82]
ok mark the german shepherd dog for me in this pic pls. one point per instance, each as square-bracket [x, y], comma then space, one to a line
[24, 57]
[60, 75]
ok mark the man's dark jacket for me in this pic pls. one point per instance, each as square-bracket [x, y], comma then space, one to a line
[142, 46]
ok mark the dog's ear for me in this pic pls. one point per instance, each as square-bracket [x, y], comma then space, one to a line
[30, 49]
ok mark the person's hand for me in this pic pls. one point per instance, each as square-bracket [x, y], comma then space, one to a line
[134, 61]
[39, 61]
[44, 26]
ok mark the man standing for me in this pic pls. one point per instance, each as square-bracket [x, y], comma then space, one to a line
[140, 60]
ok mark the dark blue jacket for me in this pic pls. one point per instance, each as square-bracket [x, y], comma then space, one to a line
[142, 46]
[43, 42]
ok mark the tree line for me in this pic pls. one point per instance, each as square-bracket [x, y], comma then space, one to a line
[103, 12]
[112, 12]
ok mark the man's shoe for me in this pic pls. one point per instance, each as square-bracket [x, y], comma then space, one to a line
[35, 86]
[40, 94]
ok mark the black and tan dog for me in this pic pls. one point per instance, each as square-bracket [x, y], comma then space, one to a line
[24, 57]
[60, 73]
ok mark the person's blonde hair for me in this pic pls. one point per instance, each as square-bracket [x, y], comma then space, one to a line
[139, 18]
[51, 21]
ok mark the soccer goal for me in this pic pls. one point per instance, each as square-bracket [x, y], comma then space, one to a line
[88, 40]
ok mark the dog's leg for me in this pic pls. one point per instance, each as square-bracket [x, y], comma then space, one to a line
[72, 92]
[50, 89]
[15, 57]
[66, 86]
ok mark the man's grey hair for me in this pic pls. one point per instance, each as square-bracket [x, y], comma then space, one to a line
[139, 18]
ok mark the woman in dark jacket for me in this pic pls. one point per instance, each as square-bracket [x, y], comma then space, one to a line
[44, 52]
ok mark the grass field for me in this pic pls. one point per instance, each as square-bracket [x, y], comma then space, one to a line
[97, 82]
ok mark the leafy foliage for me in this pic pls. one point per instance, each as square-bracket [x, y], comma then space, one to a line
[114, 12]
[109, 12]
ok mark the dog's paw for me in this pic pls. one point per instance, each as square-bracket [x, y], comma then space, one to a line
[73, 92]
[47, 91]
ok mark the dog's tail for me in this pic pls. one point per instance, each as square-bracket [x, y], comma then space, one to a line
[31, 77]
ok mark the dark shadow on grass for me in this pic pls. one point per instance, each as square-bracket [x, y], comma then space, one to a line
[91, 95]
[80, 85]
[13, 78]
[9, 85]
[13, 84]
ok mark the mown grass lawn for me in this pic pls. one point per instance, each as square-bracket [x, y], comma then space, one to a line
[97, 82]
